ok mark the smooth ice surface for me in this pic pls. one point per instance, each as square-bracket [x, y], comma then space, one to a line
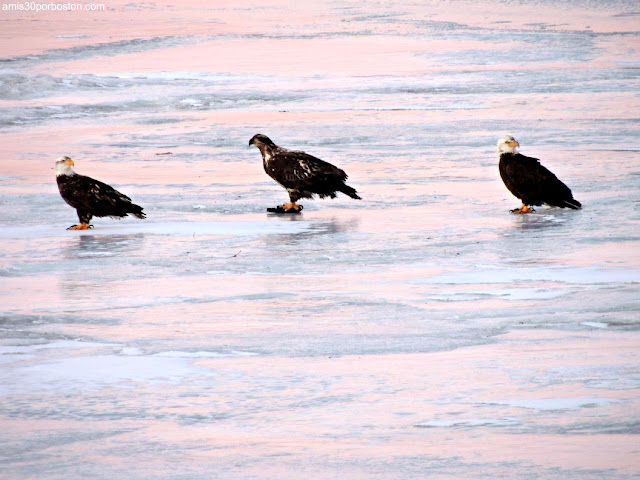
[422, 332]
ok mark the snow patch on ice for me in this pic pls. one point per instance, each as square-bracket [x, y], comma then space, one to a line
[64, 344]
[203, 354]
[74, 36]
[469, 422]
[131, 351]
[487, 274]
[95, 372]
[595, 324]
[557, 403]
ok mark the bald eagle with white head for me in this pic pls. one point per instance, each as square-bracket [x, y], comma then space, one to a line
[90, 197]
[301, 174]
[529, 181]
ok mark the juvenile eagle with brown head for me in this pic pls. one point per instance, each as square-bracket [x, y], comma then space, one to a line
[529, 181]
[301, 174]
[90, 197]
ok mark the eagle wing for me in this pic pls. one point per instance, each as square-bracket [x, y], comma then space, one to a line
[301, 171]
[91, 195]
[533, 183]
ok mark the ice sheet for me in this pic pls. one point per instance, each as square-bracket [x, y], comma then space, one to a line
[421, 332]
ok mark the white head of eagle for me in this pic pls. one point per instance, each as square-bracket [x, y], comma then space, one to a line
[507, 144]
[64, 166]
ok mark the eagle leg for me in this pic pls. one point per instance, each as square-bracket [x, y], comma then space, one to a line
[286, 208]
[522, 209]
[80, 226]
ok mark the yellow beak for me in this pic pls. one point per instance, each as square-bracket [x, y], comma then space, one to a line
[69, 162]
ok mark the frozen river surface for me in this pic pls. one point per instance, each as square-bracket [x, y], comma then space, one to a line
[422, 332]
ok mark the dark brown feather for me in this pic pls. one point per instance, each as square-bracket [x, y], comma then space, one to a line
[303, 175]
[307, 175]
[532, 183]
[92, 198]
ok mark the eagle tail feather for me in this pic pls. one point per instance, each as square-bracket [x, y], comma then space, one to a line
[572, 203]
[137, 211]
[350, 191]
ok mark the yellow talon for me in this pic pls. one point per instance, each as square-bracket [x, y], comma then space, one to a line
[80, 226]
[522, 209]
[290, 207]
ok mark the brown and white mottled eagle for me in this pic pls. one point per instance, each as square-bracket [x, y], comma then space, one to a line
[529, 181]
[301, 174]
[91, 198]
